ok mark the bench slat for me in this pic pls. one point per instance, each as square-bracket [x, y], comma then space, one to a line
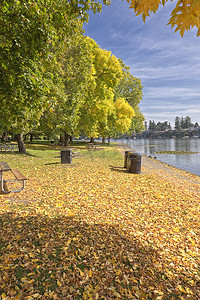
[18, 174]
[76, 152]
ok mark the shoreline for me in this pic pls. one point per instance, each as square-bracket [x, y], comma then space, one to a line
[123, 145]
[171, 173]
[183, 154]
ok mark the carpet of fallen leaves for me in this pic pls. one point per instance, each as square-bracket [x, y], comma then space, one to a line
[90, 230]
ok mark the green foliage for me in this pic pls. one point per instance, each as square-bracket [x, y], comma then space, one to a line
[129, 87]
[31, 35]
[51, 74]
[76, 65]
[160, 126]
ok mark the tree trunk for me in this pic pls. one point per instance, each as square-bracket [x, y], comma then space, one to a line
[109, 140]
[31, 137]
[70, 138]
[66, 142]
[4, 137]
[103, 140]
[21, 145]
[61, 140]
[91, 140]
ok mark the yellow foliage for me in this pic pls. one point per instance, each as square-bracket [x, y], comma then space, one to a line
[184, 16]
[124, 113]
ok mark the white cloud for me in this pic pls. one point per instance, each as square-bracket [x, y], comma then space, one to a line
[171, 92]
[167, 111]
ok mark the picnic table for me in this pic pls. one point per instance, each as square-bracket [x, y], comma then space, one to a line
[92, 146]
[8, 147]
[75, 152]
[19, 177]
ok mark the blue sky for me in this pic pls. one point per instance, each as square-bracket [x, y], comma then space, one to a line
[168, 65]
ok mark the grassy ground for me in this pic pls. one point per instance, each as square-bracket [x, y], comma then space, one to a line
[90, 230]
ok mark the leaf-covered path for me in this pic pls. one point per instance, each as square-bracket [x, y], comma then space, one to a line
[91, 230]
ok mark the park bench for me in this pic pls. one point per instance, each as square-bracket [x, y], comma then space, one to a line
[19, 177]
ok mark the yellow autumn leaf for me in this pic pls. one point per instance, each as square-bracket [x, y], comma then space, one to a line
[81, 273]
[181, 289]
[59, 283]
[36, 295]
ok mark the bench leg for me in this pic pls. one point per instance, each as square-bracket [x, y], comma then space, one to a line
[2, 183]
[19, 190]
[3, 191]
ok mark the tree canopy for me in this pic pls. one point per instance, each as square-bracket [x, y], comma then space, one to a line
[185, 15]
[32, 34]
[52, 75]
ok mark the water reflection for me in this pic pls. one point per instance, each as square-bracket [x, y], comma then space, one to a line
[189, 162]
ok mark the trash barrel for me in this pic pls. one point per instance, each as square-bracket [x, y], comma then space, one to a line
[126, 157]
[66, 156]
[134, 163]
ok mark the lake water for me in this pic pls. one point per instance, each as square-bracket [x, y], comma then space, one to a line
[189, 162]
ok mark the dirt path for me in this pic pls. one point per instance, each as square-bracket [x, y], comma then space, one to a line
[169, 173]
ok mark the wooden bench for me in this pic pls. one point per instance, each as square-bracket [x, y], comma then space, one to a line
[19, 176]
[4, 167]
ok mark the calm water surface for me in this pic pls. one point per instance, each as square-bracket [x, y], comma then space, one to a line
[189, 162]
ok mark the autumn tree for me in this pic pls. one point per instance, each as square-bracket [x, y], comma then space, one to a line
[30, 36]
[105, 74]
[90, 76]
[130, 88]
[77, 69]
[185, 15]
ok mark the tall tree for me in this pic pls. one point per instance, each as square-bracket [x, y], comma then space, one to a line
[177, 124]
[188, 122]
[30, 36]
[76, 64]
[106, 73]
